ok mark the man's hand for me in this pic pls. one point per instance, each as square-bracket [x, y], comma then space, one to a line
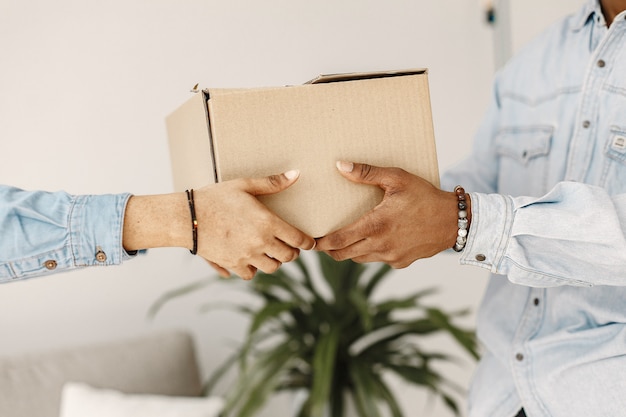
[414, 220]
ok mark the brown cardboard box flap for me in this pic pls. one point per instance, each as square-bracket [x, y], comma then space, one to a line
[351, 76]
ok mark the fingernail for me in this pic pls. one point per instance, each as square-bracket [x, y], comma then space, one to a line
[292, 174]
[345, 166]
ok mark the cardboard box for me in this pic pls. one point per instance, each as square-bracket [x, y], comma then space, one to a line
[381, 118]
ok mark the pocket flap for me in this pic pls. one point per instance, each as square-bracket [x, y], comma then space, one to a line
[524, 143]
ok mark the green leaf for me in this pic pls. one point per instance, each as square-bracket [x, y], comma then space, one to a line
[220, 305]
[258, 382]
[175, 293]
[417, 375]
[323, 371]
[339, 275]
[466, 339]
[306, 276]
[269, 312]
[410, 301]
[359, 302]
[365, 390]
[388, 397]
[269, 283]
[376, 279]
[451, 403]
[370, 343]
[219, 373]
[317, 299]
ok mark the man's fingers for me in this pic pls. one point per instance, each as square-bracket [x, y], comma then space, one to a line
[366, 226]
[272, 184]
[364, 173]
[339, 240]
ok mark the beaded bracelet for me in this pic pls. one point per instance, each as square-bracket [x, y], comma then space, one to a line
[194, 221]
[462, 222]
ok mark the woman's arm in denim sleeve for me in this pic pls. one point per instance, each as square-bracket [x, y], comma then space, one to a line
[46, 232]
[574, 235]
[43, 232]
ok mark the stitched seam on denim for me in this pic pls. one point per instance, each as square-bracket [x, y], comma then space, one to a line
[614, 89]
[617, 41]
[476, 221]
[558, 278]
[12, 270]
[505, 400]
[531, 368]
[123, 202]
[70, 228]
[540, 100]
[505, 241]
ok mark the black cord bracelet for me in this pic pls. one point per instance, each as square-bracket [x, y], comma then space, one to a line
[194, 221]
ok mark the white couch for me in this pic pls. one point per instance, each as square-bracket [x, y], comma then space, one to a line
[163, 363]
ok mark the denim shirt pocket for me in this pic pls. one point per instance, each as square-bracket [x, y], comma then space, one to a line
[523, 159]
[614, 175]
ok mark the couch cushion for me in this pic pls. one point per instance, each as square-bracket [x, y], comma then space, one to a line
[162, 363]
[80, 400]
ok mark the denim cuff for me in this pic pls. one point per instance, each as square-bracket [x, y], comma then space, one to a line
[96, 226]
[492, 219]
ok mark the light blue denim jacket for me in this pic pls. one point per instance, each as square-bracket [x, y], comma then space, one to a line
[547, 177]
[46, 232]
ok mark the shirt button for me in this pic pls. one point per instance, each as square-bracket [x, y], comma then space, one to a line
[586, 124]
[101, 256]
[601, 63]
[480, 257]
[519, 357]
[536, 301]
[50, 265]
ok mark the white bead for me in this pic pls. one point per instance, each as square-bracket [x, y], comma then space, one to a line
[462, 214]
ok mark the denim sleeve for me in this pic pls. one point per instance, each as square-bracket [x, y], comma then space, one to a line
[49, 232]
[574, 235]
[479, 170]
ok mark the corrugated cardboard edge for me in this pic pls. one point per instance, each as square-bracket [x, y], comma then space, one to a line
[351, 76]
[189, 124]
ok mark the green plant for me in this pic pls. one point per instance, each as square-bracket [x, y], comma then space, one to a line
[335, 344]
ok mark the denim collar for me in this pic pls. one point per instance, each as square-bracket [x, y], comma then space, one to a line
[586, 13]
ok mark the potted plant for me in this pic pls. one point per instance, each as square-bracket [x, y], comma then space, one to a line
[334, 345]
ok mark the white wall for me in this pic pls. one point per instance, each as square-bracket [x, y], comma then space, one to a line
[84, 89]
[529, 17]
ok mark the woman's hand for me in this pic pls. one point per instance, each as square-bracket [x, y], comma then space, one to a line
[236, 232]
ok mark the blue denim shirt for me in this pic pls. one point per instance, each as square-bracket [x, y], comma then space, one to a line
[46, 232]
[548, 181]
